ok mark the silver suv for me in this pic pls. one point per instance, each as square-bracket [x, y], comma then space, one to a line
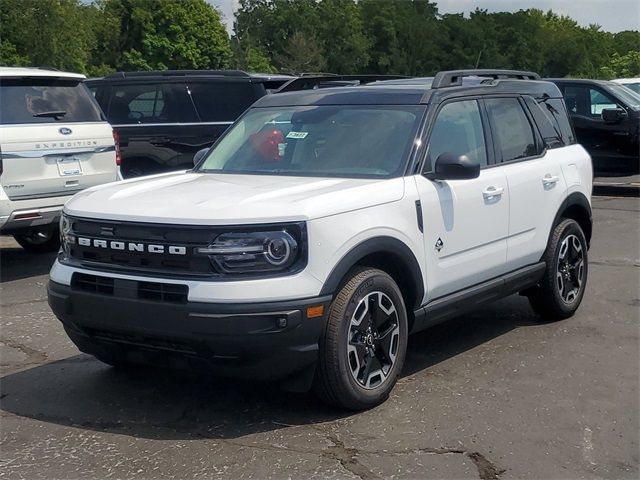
[54, 142]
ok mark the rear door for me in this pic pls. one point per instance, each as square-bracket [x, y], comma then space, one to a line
[534, 176]
[54, 139]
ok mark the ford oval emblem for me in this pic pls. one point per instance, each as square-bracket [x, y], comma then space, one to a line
[65, 131]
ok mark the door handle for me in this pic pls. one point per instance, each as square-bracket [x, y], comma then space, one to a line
[492, 192]
[549, 179]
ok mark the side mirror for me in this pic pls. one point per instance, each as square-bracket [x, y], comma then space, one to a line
[450, 166]
[613, 115]
[199, 155]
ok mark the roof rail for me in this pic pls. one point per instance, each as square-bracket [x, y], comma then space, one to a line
[453, 78]
[177, 73]
[310, 82]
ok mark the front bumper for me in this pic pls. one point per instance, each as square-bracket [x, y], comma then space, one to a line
[262, 341]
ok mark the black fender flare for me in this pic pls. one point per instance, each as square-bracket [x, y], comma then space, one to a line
[397, 250]
[576, 200]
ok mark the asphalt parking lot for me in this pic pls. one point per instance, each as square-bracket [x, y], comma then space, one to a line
[492, 395]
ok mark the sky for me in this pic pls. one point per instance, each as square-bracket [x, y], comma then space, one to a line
[611, 15]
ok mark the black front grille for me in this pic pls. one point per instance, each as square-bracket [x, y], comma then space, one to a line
[184, 237]
[93, 283]
[144, 341]
[153, 291]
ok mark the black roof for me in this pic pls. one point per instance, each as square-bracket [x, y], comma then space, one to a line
[421, 90]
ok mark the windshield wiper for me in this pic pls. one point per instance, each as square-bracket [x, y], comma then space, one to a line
[52, 113]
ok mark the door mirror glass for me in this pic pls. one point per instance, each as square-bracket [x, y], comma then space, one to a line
[199, 155]
[613, 115]
[450, 166]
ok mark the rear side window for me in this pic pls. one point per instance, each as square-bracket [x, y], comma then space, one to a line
[458, 130]
[223, 101]
[151, 103]
[511, 128]
[46, 100]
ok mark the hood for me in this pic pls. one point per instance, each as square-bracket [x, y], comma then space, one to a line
[219, 199]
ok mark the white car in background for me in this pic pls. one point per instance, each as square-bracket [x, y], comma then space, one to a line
[632, 83]
[54, 142]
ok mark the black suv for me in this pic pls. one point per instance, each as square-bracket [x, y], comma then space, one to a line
[606, 119]
[163, 118]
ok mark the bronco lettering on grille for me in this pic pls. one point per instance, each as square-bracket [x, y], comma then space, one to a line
[131, 246]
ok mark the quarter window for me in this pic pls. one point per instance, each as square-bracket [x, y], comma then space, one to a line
[511, 128]
[458, 130]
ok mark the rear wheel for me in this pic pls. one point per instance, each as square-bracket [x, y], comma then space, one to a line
[39, 241]
[563, 285]
[363, 349]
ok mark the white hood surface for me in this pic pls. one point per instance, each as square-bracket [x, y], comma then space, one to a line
[219, 199]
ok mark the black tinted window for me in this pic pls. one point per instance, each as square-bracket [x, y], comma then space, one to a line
[458, 130]
[511, 128]
[150, 103]
[46, 101]
[556, 114]
[222, 102]
[588, 102]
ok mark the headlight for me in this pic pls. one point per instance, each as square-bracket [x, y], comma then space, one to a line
[66, 237]
[256, 252]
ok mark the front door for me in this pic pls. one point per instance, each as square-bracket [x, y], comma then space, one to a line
[608, 144]
[465, 221]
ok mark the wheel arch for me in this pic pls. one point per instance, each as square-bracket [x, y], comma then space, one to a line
[390, 255]
[576, 206]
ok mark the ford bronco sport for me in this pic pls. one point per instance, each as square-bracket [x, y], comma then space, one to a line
[327, 225]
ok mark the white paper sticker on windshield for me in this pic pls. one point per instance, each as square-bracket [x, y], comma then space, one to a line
[297, 135]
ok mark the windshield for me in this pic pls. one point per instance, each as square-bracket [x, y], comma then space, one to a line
[633, 86]
[629, 97]
[326, 141]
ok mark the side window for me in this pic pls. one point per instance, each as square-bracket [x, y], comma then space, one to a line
[135, 104]
[148, 104]
[587, 101]
[458, 130]
[221, 101]
[178, 107]
[151, 103]
[511, 129]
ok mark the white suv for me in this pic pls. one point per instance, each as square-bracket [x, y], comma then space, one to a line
[54, 142]
[327, 225]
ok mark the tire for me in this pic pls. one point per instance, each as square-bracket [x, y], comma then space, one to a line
[563, 284]
[361, 355]
[39, 241]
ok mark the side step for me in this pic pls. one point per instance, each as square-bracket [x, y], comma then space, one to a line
[443, 308]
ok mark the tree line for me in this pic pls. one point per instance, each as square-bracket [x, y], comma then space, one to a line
[294, 36]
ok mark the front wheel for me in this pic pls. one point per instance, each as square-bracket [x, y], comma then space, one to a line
[363, 349]
[39, 241]
[562, 287]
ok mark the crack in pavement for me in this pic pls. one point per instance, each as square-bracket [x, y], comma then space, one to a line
[34, 357]
[346, 457]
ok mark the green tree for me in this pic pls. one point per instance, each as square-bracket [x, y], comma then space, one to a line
[302, 54]
[622, 66]
[176, 34]
[52, 33]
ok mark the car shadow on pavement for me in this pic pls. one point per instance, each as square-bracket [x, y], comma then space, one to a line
[16, 263]
[82, 392]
